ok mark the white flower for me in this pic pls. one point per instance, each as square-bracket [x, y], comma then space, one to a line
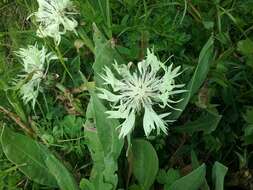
[35, 62]
[151, 84]
[55, 18]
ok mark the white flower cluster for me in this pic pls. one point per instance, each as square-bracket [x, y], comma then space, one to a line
[151, 84]
[34, 63]
[55, 18]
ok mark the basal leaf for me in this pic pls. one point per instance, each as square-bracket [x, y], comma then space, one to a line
[29, 155]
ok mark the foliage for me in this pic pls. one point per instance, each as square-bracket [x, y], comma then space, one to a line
[66, 141]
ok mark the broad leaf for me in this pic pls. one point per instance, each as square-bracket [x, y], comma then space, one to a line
[145, 163]
[104, 143]
[168, 177]
[29, 155]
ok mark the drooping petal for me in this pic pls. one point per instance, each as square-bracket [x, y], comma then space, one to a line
[128, 125]
[152, 120]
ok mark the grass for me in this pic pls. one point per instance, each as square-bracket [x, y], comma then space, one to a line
[218, 114]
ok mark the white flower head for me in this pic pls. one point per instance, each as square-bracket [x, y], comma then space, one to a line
[35, 62]
[151, 84]
[55, 18]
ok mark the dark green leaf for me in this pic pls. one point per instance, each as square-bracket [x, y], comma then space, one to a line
[172, 176]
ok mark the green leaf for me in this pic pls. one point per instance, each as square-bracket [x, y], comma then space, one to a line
[145, 163]
[192, 181]
[104, 144]
[97, 155]
[85, 39]
[195, 164]
[106, 129]
[135, 187]
[64, 179]
[105, 55]
[245, 47]
[248, 129]
[85, 184]
[169, 177]
[74, 68]
[218, 174]
[198, 77]
[72, 126]
[207, 123]
[29, 155]
[172, 176]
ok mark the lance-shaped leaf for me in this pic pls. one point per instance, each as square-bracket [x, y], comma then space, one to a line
[105, 55]
[198, 78]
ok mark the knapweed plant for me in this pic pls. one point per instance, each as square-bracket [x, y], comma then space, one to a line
[126, 95]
